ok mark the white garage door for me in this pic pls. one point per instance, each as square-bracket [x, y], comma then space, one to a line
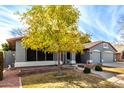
[95, 57]
[107, 56]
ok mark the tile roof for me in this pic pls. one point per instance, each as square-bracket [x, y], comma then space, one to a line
[12, 42]
[119, 47]
[92, 44]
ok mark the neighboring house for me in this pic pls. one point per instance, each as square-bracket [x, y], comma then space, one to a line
[120, 53]
[97, 52]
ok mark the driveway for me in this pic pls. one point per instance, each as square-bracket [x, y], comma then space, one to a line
[114, 64]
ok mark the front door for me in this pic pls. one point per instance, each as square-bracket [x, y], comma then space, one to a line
[78, 58]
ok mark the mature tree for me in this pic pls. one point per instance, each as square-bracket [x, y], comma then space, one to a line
[5, 47]
[53, 29]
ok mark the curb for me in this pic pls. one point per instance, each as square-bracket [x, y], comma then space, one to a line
[20, 83]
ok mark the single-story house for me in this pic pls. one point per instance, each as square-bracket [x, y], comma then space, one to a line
[120, 53]
[96, 52]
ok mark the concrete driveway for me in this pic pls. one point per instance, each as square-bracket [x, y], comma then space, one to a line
[114, 64]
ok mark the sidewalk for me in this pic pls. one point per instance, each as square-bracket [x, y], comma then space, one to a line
[118, 79]
[115, 78]
[10, 80]
[104, 74]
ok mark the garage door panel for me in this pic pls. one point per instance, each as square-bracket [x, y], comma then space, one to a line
[107, 57]
[95, 57]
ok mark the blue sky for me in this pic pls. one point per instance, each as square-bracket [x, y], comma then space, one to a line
[101, 22]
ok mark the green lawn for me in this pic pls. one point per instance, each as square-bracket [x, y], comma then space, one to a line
[71, 79]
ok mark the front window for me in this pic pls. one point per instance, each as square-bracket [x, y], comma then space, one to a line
[68, 55]
[40, 55]
[33, 55]
[49, 56]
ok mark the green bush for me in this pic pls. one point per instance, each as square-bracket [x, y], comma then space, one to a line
[5, 46]
[98, 68]
[87, 70]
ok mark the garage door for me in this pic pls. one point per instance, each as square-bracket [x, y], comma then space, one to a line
[95, 57]
[107, 56]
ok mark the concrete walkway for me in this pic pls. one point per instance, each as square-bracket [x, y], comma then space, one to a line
[103, 74]
[117, 79]
[10, 80]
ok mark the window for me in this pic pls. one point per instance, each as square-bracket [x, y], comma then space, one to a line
[41, 56]
[33, 55]
[68, 55]
[49, 56]
[105, 45]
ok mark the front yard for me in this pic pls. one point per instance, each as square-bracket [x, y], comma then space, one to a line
[71, 79]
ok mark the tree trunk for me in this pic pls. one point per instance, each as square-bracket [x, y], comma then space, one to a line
[59, 58]
[60, 73]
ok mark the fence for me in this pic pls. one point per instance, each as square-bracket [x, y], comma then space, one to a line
[9, 58]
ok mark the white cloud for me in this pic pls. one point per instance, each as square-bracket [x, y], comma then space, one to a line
[90, 17]
[8, 21]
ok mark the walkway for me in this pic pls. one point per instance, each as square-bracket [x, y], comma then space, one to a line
[10, 80]
[115, 78]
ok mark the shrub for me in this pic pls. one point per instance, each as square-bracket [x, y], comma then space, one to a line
[87, 70]
[98, 68]
[5, 47]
